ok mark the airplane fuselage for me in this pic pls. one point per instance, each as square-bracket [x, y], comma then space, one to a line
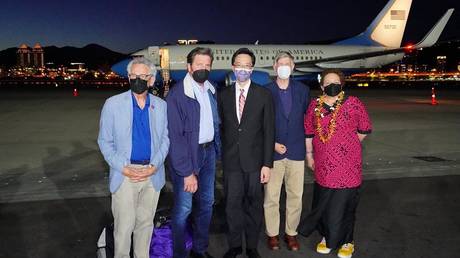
[175, 57]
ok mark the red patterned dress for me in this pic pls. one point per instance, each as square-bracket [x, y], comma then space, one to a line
[338, 162]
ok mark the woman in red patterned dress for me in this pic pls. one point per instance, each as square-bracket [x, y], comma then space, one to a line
[335, 125]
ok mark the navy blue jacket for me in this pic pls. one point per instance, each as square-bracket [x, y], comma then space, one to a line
[184, 127]
[290, 130]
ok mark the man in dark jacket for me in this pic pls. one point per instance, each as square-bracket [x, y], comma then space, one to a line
[246, 110]
[291, 99]
[193, 123]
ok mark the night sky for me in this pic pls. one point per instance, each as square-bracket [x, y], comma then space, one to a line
[126, 26]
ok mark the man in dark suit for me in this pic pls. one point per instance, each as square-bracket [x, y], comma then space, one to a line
[248, 125]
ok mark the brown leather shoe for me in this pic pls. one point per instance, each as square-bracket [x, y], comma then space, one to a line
[273, 243]
[291, 242]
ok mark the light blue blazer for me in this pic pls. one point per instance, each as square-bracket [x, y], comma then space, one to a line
[115, 137]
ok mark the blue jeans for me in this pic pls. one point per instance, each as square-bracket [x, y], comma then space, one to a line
[202, 201]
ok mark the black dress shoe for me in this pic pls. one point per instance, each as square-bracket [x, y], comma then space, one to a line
[252, 253]
[198, 255]
[233, 252]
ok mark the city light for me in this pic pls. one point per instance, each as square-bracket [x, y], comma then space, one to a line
[30, 66]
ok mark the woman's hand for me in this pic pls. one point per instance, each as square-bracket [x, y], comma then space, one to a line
[310, 161]
[361, 137]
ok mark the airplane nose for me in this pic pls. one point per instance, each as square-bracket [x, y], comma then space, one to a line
[120, 67]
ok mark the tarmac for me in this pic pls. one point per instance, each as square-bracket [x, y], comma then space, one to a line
[54, 198]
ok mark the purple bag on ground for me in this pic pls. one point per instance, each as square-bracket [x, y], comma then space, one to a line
[161, 245]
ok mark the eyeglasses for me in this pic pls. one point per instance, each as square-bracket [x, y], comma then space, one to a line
[243, 66]
[141, 76]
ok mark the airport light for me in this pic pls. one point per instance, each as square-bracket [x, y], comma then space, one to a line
[409, 48]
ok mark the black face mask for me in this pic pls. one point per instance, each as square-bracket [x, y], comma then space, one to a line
[333, 89]
[138, 85]
[201, 75]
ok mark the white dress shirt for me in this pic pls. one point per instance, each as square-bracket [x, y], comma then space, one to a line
[206, 132]
[238, 88]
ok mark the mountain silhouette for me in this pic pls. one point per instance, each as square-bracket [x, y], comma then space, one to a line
[95, 57]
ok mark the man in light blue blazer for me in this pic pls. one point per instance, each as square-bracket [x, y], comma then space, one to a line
[133, 138]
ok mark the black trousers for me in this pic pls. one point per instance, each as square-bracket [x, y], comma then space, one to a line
[244, 207]
[333, 214]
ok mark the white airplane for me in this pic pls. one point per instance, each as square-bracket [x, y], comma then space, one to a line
[378, 45]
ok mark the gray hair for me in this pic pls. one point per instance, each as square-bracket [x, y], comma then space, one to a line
[283, 54]
[144, 61]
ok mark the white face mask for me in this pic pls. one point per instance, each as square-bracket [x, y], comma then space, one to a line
[284, 71]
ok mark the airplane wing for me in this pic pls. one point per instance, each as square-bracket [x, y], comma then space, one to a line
[433, 35]
[338, 59]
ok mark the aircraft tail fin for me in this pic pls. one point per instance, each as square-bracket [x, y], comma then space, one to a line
[387, 29]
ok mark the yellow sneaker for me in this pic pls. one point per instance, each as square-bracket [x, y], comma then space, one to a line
[321, 247]
[346, 251]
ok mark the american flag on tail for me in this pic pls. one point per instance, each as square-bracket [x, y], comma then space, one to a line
[398, 15]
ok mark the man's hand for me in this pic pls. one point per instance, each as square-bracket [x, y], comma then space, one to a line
[128, 172]
[264, 175]
[310, 161]
[144, 173]
[190, 183]
[139, 174]
[280, 148]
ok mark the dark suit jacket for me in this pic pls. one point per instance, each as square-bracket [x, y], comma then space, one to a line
[290, 130]
[247, 145]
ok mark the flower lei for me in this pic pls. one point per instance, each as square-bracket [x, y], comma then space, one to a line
[332, 123]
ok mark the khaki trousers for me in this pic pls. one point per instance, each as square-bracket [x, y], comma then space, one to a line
[292, 172]
[133, 208]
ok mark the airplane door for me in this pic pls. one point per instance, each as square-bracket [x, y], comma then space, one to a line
[154, 55]
[164, 58]
[164, 65]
